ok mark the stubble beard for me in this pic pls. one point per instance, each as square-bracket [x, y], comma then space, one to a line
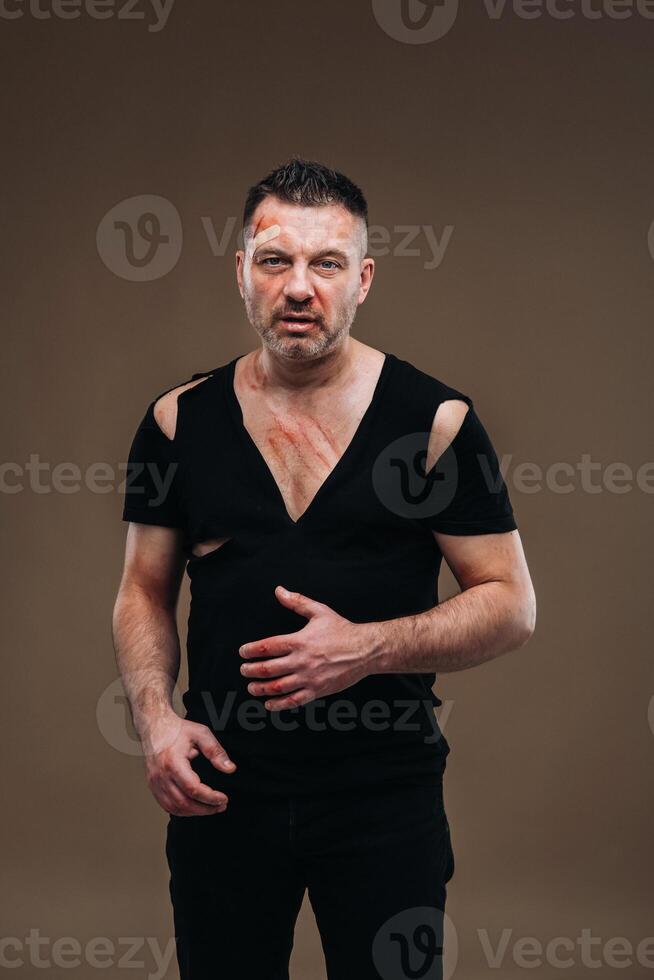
[322, 339]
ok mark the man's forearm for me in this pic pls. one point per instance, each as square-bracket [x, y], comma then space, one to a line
[476, 625]
[147, 648]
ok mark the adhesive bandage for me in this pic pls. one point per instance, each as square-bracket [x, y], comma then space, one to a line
[265, 236]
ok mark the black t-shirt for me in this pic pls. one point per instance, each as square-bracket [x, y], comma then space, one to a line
[364, 546]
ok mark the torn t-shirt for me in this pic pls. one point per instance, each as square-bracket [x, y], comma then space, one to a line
[364, 546]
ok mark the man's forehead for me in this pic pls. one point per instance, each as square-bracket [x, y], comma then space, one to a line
[309, 226]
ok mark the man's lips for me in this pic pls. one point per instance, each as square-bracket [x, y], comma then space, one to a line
[295, 318]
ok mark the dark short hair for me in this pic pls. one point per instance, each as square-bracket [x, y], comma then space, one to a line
[308, 184]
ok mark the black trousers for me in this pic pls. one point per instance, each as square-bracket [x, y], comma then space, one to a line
[375, 864]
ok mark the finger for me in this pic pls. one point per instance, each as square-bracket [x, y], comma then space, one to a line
[173, 800]
[299, 603]
[271, 646]
[182, 806]
[211, 748]
[289, 701]
[199, 798]
[190, 784]
[282, 686]
[269, 668]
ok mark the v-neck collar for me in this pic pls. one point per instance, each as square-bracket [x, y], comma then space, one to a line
[260, 460]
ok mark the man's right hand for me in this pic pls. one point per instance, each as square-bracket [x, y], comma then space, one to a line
[170, 743]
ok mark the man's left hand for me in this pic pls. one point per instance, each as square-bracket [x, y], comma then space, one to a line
[327, 655]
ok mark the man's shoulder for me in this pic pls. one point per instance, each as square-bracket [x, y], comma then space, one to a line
[429, 385]
[444, 407]
[165, 405]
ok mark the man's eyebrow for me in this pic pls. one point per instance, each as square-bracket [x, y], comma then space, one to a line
[270, 250]
[339, 253]
[276, 250]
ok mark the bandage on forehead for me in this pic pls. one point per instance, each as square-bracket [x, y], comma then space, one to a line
[265, 236]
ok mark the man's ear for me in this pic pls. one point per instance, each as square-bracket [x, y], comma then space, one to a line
[367, 273]
[240, 259]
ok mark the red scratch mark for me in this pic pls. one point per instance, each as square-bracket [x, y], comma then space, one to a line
[327, 435]
[264, 223]
[301, 437]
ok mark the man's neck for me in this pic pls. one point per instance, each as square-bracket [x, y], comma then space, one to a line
[303, 379]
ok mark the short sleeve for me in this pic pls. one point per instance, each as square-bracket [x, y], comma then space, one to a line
[471, 496]
[151, 486]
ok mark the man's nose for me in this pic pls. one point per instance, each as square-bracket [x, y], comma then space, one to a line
[298, 284]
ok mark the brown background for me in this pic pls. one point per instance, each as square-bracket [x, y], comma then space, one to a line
[533, 138]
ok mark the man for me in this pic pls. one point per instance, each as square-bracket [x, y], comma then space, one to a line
[310, 488]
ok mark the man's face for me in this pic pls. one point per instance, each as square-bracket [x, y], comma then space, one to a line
[302, 287]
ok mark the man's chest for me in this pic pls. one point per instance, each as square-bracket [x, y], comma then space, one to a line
[301, 446]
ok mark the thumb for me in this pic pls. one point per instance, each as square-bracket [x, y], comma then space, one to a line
[212, 749]
[299, 603]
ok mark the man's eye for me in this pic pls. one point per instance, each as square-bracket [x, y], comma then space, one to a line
[273, 258]
[330, 262]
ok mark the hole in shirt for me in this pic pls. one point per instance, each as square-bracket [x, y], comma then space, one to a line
[165, 407]
[202, 548]
[446, 425]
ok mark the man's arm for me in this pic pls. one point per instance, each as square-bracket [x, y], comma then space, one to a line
[494, 613]
[147, 649]
[144, 623]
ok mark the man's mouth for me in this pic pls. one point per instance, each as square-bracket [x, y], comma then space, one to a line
[297, 320]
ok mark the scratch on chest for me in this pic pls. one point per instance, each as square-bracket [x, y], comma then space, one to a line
[300, 445]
